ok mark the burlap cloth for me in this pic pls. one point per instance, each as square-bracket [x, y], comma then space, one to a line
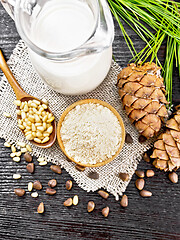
[127, 160]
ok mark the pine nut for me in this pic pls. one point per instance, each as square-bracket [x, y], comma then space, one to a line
[17, 103]
[33, 105]
[16, 176]
[42, 163]
[50, 119]
[28, 147]
[5, 114]
[23, 150]
[34, 194]
[75, 200]
[6, 144]
[29, 137]
[50, 129]
[26, 108]
[18, 154]
[21, 126]
[16, 159]
[40, 128]
[13, 149]
[30, 186]
[40, 159]
[36, 102]
[21, 144]
[18, 112]
[46, 139]
[45, 118]
[12, 155]
[45, 101]
[44, 106]
[37, 140]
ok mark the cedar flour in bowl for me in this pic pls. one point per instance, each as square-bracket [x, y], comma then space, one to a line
[91, 133]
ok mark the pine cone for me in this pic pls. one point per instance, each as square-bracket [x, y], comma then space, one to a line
[167, 148]
[142, 92]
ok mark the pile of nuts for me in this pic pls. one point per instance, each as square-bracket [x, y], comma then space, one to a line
[35, 120]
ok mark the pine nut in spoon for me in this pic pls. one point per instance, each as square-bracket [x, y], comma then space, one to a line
[25, 99]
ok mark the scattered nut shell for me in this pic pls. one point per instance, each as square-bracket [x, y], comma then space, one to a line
[16, 176]
[52, 183]
[56, 169]
[140, 173]
[50, 191]
[150, 173]
[173, 177]
[34, 194]
[30, 186]
[37, 185]
[19, 192]
[90, 206]
[27, 157]
[30, 167]
[124, 201]
[105, 211]
[103, 194]
[69, 185]
[140, 183]
[145, 193]
[124, 176]
[75, 200]
[40, 208]
[68, 202]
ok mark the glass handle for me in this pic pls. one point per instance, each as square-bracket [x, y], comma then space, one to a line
[9, 6]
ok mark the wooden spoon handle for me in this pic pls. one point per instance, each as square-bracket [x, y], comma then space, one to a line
[13, 82]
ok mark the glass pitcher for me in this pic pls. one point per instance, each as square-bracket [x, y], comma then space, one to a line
[69, 41]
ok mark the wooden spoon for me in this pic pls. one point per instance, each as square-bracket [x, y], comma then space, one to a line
[23, 96]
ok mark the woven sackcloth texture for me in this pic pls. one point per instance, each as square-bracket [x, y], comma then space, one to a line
[127, 160]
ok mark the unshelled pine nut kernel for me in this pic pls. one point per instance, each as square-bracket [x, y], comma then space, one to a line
[17, 103]
[12, 155]
[16, 159]
[45, 101]
[6, 144]
[28, 147]
[75, 200]
[13, 149]
[18, 154]
[16, 176]
[30, 186]
[23, 150]
[5, 114]
[42, 163]
[18, 112]
[34, 194]
[21, 144]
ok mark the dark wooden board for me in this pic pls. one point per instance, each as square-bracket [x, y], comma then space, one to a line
[157, 217]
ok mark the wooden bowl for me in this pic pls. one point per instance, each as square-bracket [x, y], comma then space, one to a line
[84, 102]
